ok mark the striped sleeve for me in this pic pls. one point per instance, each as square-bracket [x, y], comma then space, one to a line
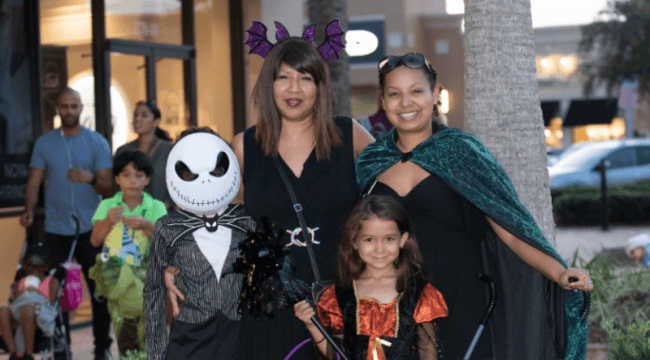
[155, 307]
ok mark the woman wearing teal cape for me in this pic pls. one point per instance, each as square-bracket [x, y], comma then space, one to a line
[468, 218]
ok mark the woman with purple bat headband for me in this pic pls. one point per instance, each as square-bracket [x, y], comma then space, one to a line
[297, 135]
[317, 151]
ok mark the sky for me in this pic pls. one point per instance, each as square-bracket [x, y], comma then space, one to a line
[552, 12]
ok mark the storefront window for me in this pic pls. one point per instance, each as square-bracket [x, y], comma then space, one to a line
[16, 118]
[554, 133]
[128, 86]
[144, 20]
[120, 114]
[213, 70]
[171, 100]
[66, 54]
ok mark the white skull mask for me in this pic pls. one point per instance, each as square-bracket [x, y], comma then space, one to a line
[211, 173]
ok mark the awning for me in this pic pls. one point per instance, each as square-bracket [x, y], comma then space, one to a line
[550, 110]
[588, 112]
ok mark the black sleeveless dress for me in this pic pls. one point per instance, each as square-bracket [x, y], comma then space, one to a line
[450, 247]
[327, 191]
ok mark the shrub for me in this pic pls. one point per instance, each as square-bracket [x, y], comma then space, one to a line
[628, 204]
[134, 355]
[620, 308]
[640, 187]
[633, 344]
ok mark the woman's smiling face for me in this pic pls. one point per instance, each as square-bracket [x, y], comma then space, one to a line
[295, 94]
[408, 99]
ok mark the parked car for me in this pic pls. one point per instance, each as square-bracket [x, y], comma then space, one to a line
[555, 155]
[629, 162]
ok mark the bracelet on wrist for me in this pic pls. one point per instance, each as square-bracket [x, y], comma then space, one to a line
[319, 341]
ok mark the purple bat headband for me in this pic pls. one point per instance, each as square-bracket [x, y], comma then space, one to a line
[330, 48]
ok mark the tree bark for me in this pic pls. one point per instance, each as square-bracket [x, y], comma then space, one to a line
[321, 12]
[502, 103]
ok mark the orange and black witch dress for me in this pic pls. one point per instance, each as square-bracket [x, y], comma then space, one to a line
[369, 330]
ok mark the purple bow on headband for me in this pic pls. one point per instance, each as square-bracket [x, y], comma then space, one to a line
[329, 49]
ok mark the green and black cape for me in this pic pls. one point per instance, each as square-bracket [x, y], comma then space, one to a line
[534, 316]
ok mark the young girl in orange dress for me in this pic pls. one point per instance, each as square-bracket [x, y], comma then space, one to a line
[381, 307]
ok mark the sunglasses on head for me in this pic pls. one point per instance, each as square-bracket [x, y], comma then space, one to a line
[412, 60]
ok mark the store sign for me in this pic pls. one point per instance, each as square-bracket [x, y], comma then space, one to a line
[14, 170]
[360, 43]
[367, 42]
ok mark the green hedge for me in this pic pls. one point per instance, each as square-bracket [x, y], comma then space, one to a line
[628, 204]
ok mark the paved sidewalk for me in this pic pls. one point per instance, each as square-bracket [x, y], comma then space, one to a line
[82, 343]
[589, 241]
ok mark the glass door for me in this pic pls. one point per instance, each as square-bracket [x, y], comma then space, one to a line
[170, 95]
[143, 50]
[150, 72]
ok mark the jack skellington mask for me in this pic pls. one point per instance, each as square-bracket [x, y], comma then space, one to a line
[202, 174]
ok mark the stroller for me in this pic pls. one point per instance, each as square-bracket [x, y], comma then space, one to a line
[53, 347]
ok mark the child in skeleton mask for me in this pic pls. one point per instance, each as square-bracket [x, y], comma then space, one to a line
[200, 240]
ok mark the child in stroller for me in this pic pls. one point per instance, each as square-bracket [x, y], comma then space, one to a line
[32, 303]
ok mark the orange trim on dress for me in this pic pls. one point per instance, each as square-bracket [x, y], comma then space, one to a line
[378, 320]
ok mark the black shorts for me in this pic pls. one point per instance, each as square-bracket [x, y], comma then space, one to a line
[215, 338]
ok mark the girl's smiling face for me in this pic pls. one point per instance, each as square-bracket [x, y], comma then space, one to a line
[378, 243]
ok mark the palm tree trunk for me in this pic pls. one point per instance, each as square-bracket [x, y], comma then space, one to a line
[321, 12]
[502, 103]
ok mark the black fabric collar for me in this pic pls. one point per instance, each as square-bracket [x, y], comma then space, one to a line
[191, 222]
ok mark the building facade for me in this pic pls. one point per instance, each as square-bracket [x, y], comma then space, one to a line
[188, 56]
[569, 115]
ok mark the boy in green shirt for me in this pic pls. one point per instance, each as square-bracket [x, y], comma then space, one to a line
[124, 224]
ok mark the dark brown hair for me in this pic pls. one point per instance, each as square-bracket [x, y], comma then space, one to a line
[139, 160]
[304, 58]
[409, 263]
[194, 129]
[436, 107]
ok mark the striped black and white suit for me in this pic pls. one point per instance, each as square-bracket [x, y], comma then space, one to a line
[207, 298]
